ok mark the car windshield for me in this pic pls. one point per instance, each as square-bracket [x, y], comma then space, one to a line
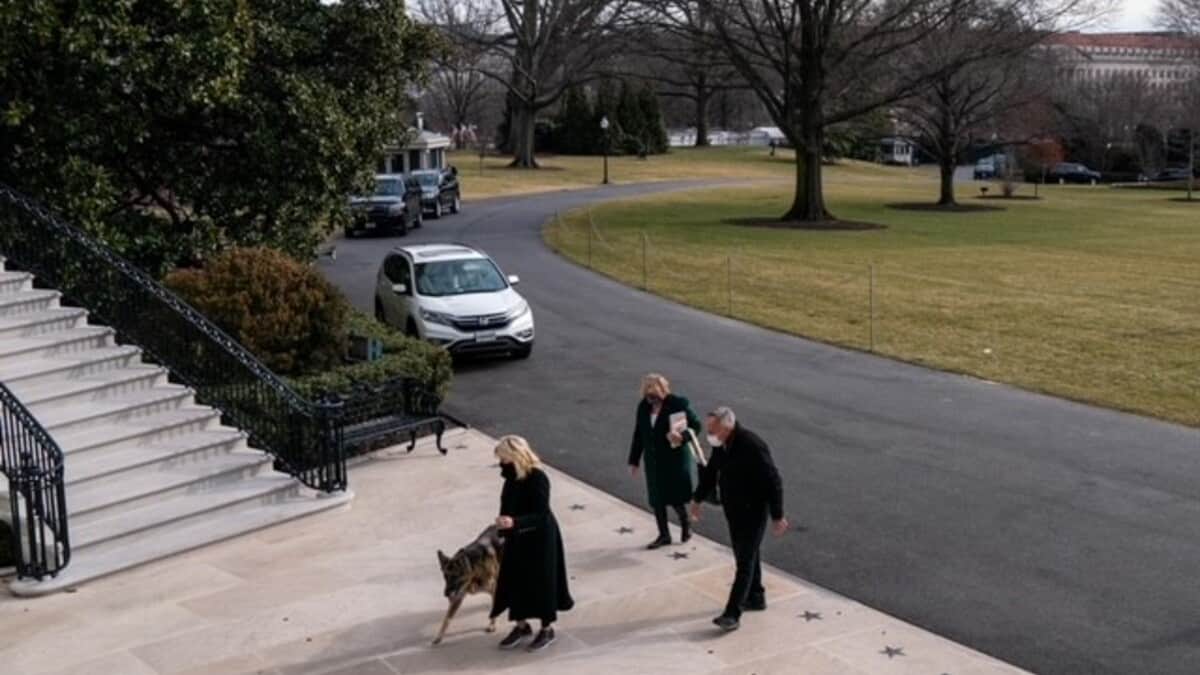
[458, 277]
[389, 187]
[427, 179]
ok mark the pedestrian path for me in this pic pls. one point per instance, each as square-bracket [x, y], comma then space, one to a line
[358, 591]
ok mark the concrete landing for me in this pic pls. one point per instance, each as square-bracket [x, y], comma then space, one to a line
[358, 591]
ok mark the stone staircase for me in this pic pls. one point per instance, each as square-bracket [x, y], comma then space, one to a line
[149, 472]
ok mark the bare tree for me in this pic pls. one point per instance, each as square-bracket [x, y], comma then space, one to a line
[1180, 15]
[816, 63]
[967, 97]
[537, 49]
[459, 93]
[684, 67]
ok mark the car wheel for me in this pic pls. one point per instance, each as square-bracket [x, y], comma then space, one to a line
[410, 329]
[437, 209]
[380, 316]
[523, 352]
[403, 230]
[350, 234]
[456, 205]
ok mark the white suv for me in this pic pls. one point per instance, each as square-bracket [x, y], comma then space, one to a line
[455, 296]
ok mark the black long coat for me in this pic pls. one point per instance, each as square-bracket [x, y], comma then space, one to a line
[533, 573]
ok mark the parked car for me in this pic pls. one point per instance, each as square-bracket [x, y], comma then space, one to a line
[1178, 173]
[439, 190]
[990, 167]
[454, 296]
[394, 206]
[1066, 172]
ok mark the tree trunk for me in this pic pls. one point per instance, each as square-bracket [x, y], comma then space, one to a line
[808, 205]
[703, 93]
[523, 125]
[947, 165]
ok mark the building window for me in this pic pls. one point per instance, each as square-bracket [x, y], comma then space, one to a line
[397, 163]
[414, 160]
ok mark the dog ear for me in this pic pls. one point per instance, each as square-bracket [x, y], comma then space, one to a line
[442, 559]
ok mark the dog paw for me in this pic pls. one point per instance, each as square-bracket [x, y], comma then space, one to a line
[437, 641]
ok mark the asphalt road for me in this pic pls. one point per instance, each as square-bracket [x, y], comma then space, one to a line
[1059, 537]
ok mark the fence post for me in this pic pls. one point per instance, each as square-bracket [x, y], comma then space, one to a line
[645, 243]
[729, 282]
[871, 303]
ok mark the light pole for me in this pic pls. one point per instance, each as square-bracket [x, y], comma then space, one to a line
[604, 130]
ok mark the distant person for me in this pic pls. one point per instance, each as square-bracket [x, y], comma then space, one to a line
[532, 583]
[660, 447]
[772, 144]
[750, 490]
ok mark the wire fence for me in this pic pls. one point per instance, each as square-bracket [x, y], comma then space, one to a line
[1112, 336]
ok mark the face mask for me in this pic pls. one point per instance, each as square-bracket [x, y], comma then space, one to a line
[714, 441]
[508, 471]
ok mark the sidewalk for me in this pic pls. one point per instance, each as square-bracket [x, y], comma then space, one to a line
[358, 591]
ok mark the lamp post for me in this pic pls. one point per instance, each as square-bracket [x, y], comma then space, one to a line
[604, 130]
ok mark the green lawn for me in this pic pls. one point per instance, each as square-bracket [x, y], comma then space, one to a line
[1091, 293]
[561, 172]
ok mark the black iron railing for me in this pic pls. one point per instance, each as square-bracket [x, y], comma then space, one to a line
[304, 436]
[33, 464]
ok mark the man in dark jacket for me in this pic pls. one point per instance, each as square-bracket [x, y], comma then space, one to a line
[750, 490]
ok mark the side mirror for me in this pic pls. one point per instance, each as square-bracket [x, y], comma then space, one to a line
[513, 280]
[400, 289]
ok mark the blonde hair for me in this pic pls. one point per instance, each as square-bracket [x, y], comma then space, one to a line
[654, 381]
[516, 451]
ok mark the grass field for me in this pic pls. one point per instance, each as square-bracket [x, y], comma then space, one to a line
[560, 172]
[1090, 293]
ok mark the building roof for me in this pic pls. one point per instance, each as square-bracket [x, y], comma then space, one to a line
[1160, 41]
[421, 140]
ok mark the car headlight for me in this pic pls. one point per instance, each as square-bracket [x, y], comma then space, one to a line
[518, 311]
[396, 209]
[436, 317]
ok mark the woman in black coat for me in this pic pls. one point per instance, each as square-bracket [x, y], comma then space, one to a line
[532, 583]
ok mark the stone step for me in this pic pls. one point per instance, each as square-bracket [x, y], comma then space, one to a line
[145, 430]
[72, 418]
[69, 341]
[29, 301]
[163, 454]
[141, 486]
[104, 386]
[180, 510]
[160, 542]
[12, 282]
[41, 323]
[33, 371]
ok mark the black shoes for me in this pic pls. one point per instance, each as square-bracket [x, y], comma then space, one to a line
[686, 535]
[727, 623]
[519, 633]
[545, 638]
[758, 604]
[658, 543]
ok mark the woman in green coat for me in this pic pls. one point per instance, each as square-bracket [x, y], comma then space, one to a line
[669, 463]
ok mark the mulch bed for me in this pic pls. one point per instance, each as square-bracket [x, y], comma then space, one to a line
[829, 225]
[944, 208]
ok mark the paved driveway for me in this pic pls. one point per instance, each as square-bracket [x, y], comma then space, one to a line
[1057, 536]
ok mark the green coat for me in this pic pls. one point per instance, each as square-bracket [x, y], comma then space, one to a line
[668, 470]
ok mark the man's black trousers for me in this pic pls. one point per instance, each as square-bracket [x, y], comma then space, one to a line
[747, 525]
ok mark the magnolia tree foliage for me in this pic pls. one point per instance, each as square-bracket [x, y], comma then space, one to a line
[175, 128]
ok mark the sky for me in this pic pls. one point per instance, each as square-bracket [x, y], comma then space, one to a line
[1132, 15]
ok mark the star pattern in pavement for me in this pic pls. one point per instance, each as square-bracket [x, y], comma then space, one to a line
[810, 616]
[892, 652]
[624, 530]
[679, 555]
[578, 507]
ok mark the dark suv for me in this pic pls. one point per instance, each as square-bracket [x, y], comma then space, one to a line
[439, 190]
[395, 206]
[1067, 172]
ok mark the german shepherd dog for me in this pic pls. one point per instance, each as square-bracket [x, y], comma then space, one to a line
[472, 569]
